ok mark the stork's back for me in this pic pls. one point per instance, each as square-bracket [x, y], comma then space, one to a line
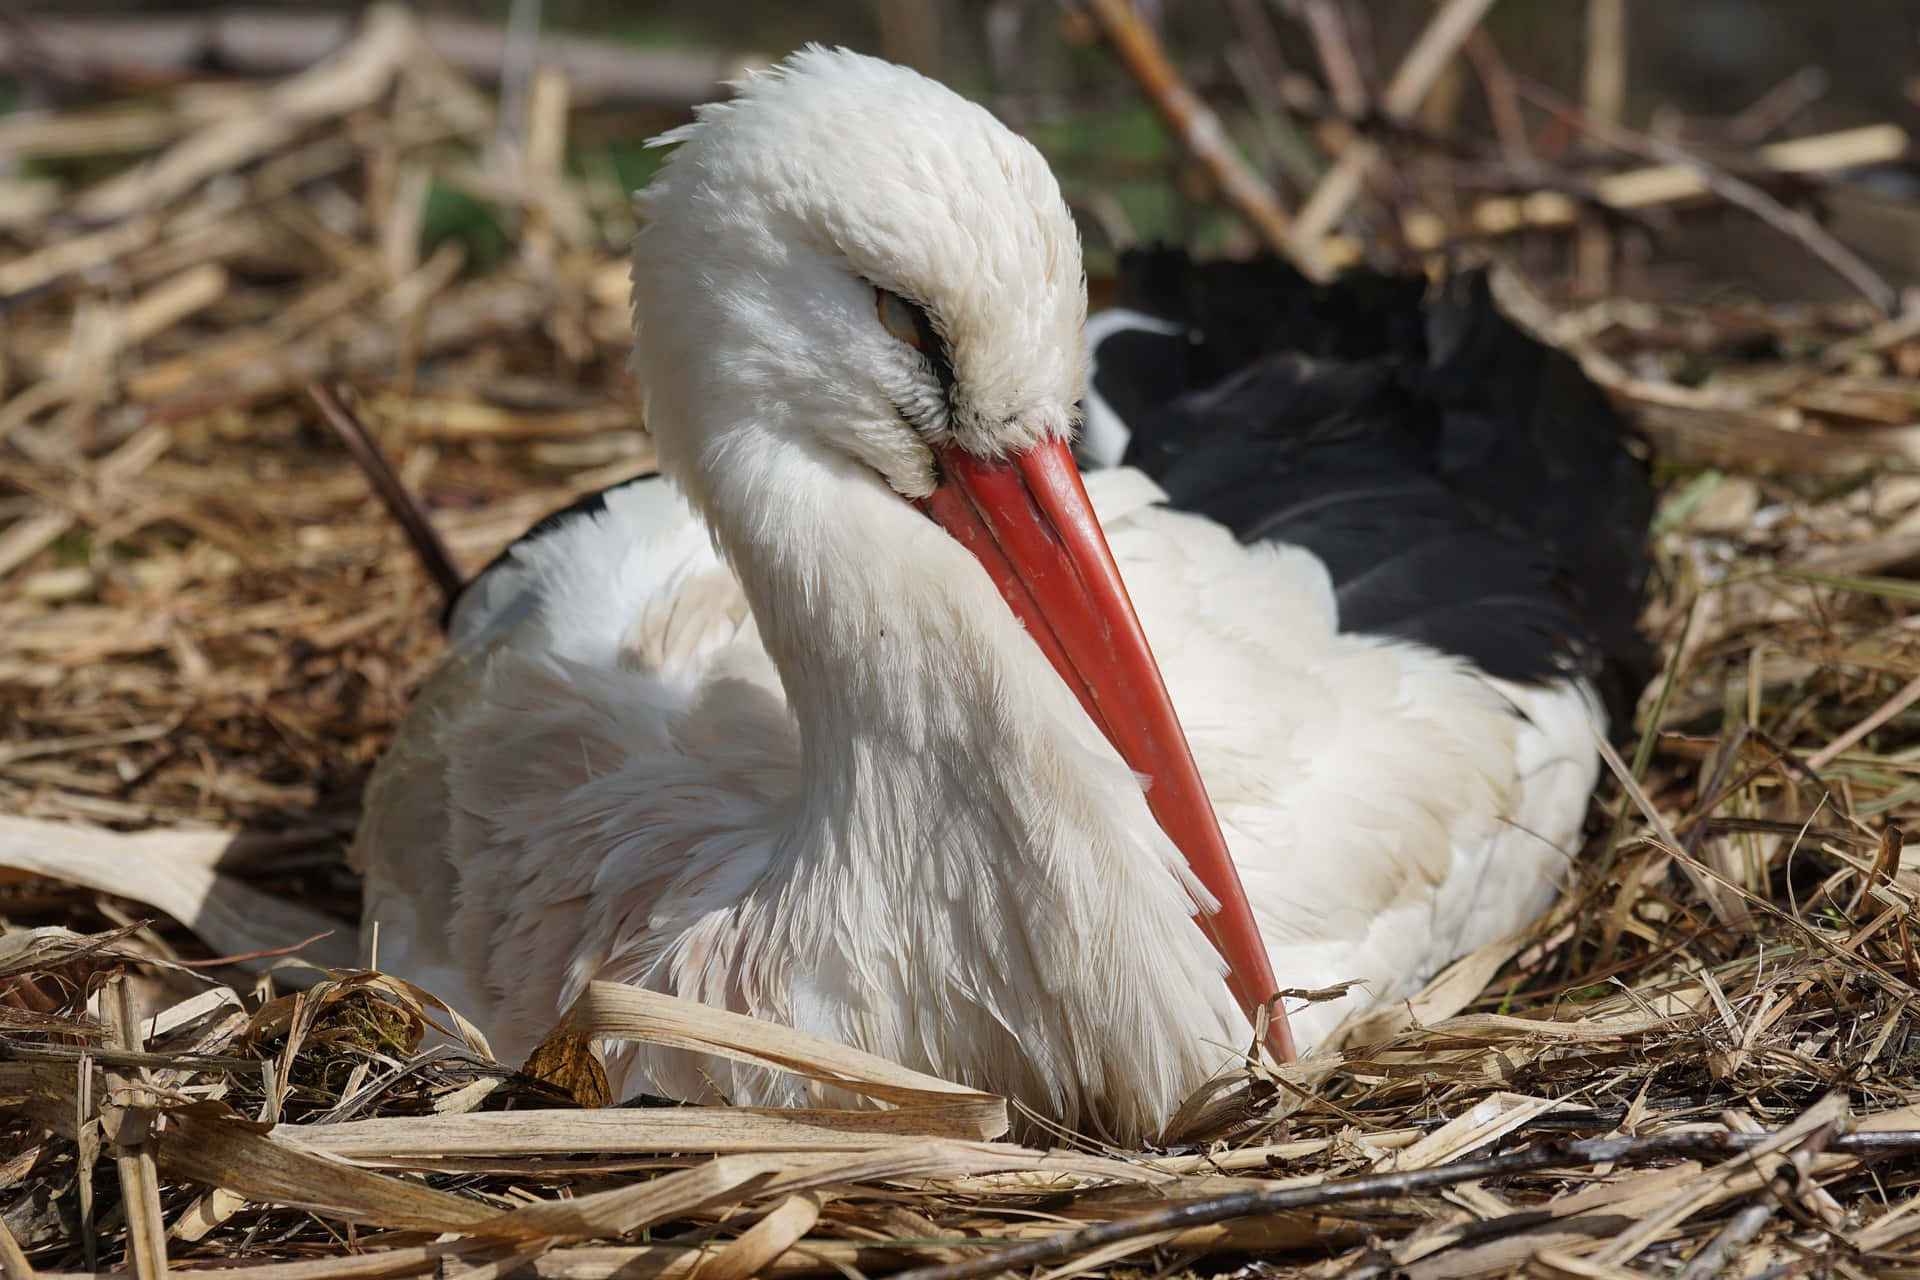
[1467, 486]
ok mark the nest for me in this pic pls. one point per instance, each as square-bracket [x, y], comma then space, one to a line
[1704, 1058]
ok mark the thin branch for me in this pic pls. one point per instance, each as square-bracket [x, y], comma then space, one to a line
[1503, 104]
[1327, 28]
[1767, 115]
[1908, 695]
[1729, 1240]
[1773, 109]
[386, 482]
[271, 953]
[1243, 1204]
[1192, 121]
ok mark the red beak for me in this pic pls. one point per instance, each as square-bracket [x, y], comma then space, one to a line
[1029, 522]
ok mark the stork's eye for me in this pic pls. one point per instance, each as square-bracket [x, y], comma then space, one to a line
[903, 320]
[922, 407]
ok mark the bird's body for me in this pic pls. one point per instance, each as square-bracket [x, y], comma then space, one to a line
[768, 737]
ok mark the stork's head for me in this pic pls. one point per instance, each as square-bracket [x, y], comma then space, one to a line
[858, 252]
[850, 262]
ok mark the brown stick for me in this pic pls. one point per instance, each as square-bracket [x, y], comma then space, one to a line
[1762, 118]
[386, 482]
[129, 1121]
[1331, 45]
[1197, 127]
[1503, 104]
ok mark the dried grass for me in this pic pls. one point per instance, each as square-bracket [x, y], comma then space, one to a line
[1703, 1059]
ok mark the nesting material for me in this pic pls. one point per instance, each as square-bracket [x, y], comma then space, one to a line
[1704, 1060]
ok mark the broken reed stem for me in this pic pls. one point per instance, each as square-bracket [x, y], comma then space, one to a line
[129, 1122]
[1241, 1204]
[1193, 123]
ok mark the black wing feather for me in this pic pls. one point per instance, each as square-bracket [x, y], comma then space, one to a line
[590, 504]
[1467, 486]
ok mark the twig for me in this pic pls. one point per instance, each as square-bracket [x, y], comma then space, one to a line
[270, 953]
[1772, 109]
[1734, 190]
[1908, 695]
[1729, 913]
[1241, 1204]
[1766, 115]
[1740, 1228]
[1331, 45]
[1409, 86]
[1192, 121]
[1503, 103]
[401, 504]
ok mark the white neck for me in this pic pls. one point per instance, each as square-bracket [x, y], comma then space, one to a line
[969, 852]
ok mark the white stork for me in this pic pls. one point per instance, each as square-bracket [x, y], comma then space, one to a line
[848, 722]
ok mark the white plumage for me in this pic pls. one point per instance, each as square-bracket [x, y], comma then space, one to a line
[793, 755]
